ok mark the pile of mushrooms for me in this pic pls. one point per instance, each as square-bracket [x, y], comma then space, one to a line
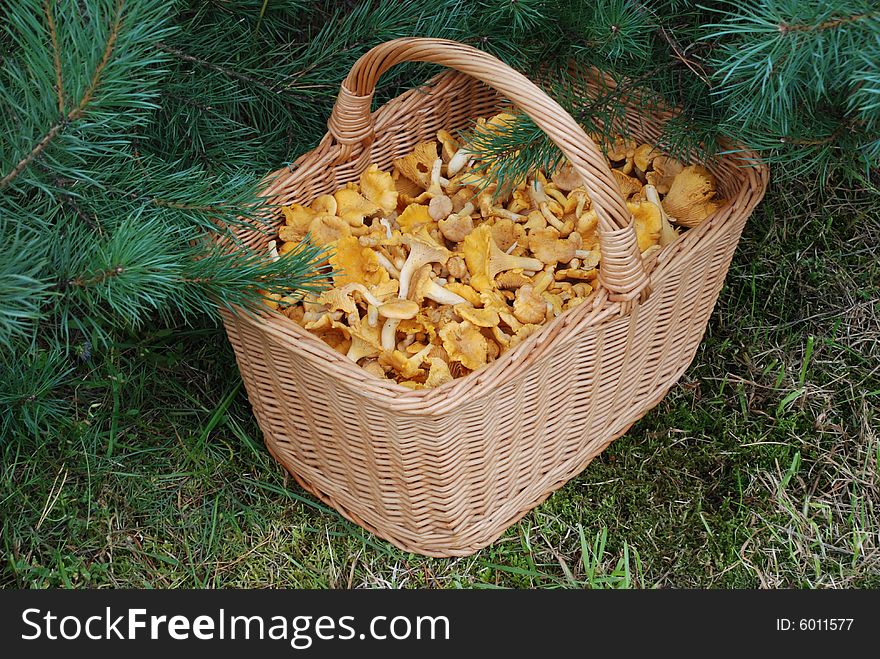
[435, 274]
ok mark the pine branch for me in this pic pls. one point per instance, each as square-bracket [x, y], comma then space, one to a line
[80, 109]
[56, 52]
[830, 24]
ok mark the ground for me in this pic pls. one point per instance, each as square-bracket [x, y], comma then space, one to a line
[760, 469]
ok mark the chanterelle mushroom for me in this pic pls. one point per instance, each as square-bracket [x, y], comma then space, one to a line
[399, 309]
[450, 144]
[378, 187]
[365, 341]
[528, 306]
[628, 185]
[549, 248]
[648, 223]
[406, 367]
[297, 219]
[438, 373]
[423, 286]
[479, 317]
[664, 170]
[644, 155]
[422, 249]
[550, 208]
[325, 204]
[565, 177]
[470, 284]
[352, 207]
[485, 260]
[393, 312]
[326, 229]
[458, 225]
[464, 344]
[417, 165]
[414, 216]
[690, 199]
[668, 234]
[355, 264]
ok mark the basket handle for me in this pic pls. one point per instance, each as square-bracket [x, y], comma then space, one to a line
[351, 123]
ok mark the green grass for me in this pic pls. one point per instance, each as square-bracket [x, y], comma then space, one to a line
[760, 469]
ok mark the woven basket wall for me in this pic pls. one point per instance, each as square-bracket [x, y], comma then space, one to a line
[444, 472]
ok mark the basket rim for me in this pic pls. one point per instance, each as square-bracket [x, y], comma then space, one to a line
[593, 311]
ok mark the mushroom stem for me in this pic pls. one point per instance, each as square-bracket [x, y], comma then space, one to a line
[552, 220]
[406, 273]
[510, 215]
[273, 251]
[365, 292]
[420, 253]
[434, 189]
[436, 292]
[667, 233]
[458, 160]
[499, 261]
[389, 331]
[542, 201]
[372, 315]
[543, 280]
[386, 263]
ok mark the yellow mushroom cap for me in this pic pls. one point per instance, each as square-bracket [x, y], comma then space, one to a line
[528, 306]
[399, 309]
[467, 292]
[476, 255]
[450, 144]
[365, 341]
[417, 165]
[648, 222]
[423, 286]
[353, 263]
[621, 149]
[297, 215]
[456, 227]
[337, 299]
[297, 219]
[413, 217]
[378, 187]
[643, 156]
[325, 204]
[352, 207]
[465, 344]
[565, 177]
[690, 197]
[438, 373]
[548, 248]
[628, 185]
[479, 317]
[327, 229]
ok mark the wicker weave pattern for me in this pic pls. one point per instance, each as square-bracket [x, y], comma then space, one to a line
[445, 471]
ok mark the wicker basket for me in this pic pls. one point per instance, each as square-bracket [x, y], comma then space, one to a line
[444, 471]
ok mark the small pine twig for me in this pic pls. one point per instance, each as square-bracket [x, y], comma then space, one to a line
[100, 277]
[214, 67]
[53, 33]
[830, 24]
[79, 110]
